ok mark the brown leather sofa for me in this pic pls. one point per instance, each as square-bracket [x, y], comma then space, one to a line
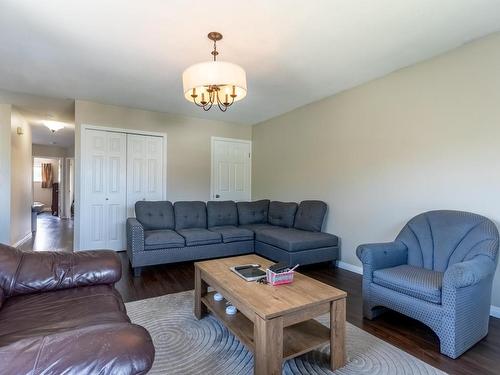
[60, 314]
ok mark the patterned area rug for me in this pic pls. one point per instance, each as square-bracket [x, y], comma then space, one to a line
[186, 346]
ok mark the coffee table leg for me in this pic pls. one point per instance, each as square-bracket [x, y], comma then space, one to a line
[200, 290]
[337, 334]
[268, 338]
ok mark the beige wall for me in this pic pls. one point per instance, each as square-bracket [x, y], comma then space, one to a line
[53, 151]
[188, 145]
[426, 137]
[21, 179]
[5, 149]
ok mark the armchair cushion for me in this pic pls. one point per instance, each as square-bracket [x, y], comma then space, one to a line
[162, 239]
[199, 236]
[23, 272]
[417, 282]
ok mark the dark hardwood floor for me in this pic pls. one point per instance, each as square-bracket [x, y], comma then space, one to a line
[52, 233]
[396, 329]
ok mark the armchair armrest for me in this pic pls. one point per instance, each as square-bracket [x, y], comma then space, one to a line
[29, 272]
[382, 255]
[469, 273]
[135, 235]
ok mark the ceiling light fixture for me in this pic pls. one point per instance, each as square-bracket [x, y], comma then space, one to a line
[214, 82]
[53, 125]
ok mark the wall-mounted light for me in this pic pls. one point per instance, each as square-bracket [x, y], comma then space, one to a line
[19, 131]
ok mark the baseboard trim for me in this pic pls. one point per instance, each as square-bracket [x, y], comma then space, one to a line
[350, 267]
[494, 310]
[22, 240]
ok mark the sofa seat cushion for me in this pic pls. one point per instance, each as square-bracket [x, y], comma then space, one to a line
[44, 314]
[162, 239]
[258, 227]
[417, 282]
[291, 239]
[199, 236]
[231, 233]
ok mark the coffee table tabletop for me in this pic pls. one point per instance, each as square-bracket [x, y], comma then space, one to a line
[275, 322]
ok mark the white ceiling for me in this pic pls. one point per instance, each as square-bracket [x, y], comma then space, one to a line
[294, 51]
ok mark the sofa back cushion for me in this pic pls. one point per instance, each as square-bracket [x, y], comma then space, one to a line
[192, 214]
[282, 213]
[310, 215]
[221, 213]
[253, 212]
[155, 215]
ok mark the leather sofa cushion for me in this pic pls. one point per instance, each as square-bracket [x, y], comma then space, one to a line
[199, 236]
[310, 216]
[253, 212]
[162, 239]
[258, 227]
[155, 215]
[190, 214]
[231, 233]
[41, 314]
[291, 239]
[417, 282]
[282, 213]
[221, 213]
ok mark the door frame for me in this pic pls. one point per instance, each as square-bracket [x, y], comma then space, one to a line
[62, 178]
[213, 139]
[80, 147]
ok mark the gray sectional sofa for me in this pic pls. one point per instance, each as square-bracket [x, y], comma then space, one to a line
[163, 232]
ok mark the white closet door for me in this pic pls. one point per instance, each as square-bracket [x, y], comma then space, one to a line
[145, 178]
[104, 190]
[116, 174]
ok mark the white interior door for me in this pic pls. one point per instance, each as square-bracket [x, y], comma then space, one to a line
[231, 169]
[104, 190]
[145, 180]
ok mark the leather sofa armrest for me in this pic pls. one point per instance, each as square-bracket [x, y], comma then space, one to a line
[382, 255]
[135, 235]
[46, 271]
[468, 273]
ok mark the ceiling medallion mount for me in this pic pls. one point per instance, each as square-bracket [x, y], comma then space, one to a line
[214, 82]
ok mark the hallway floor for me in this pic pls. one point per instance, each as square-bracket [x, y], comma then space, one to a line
[52, 233]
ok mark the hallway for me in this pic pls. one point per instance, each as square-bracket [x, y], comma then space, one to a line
[52, 234]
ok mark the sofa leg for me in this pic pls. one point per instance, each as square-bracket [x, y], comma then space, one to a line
[137, 271]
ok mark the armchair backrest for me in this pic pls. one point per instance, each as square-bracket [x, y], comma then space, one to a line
[438, 239]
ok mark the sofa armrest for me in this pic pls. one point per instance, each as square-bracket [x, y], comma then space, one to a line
[52, 270]
[135, 235]
[469, 273]
[382, 255]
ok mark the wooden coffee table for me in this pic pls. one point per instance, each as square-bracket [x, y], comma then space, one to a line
[275, 322]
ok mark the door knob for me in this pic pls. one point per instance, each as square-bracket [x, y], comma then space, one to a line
[107, 199]
[217, 196]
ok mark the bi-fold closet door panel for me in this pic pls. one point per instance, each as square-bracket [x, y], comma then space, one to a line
[145, 180]
[105, 190]
[119, 169]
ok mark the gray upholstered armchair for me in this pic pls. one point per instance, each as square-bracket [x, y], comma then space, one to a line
[439, 270]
